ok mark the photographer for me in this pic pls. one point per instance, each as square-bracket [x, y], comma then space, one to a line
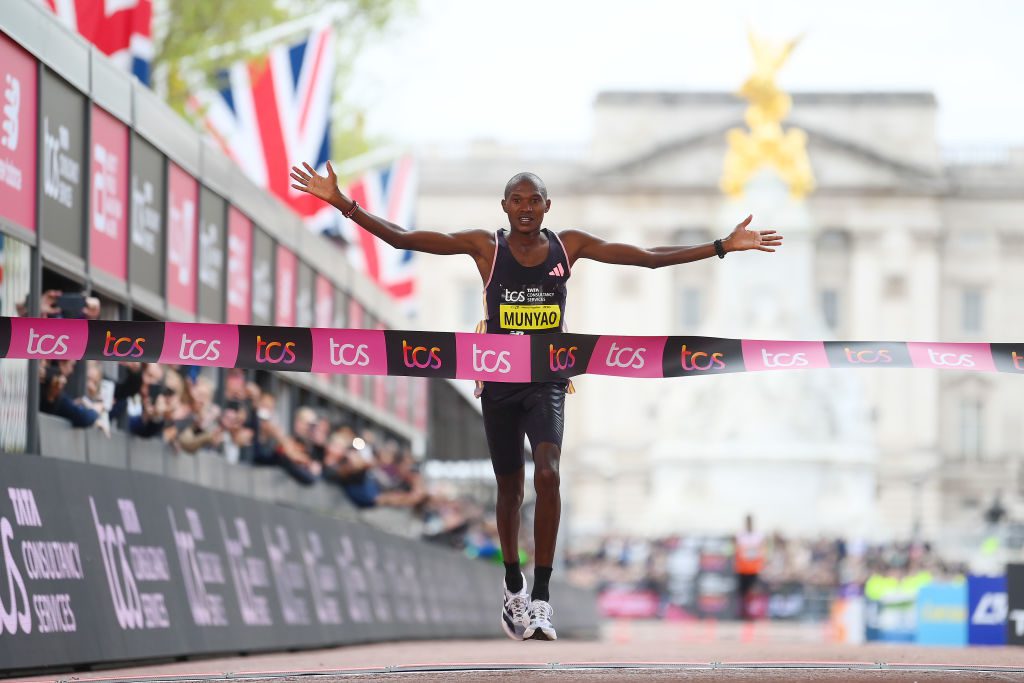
[53, 303]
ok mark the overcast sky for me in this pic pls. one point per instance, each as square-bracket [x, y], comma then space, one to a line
[528, 70]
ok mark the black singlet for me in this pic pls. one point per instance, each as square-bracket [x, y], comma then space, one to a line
[526, 300]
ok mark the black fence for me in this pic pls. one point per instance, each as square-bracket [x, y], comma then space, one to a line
[104, 565]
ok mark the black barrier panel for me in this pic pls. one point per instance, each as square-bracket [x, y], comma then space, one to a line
[212, 249]
[148, 191]
[61, 143]
[685, 356]
[100, 565]
[562, 355]
[1015, 604]
[62, 157]
[262, 278]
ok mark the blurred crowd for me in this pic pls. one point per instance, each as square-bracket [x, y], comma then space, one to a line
[182, 407]
[823, 564]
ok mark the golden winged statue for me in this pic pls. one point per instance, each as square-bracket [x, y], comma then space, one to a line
[767, 144]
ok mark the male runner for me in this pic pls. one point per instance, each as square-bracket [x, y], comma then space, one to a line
[524, 270]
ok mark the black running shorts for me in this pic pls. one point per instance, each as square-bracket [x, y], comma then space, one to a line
[511, 411]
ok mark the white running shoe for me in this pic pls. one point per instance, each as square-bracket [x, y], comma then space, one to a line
[515, 612]
[540, 627]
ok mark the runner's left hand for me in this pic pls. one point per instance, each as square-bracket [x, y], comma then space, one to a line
[742, 239]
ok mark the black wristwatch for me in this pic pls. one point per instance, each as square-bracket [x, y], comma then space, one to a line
[719, 248]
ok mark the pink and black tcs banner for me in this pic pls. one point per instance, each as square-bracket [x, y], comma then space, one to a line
[488, 357]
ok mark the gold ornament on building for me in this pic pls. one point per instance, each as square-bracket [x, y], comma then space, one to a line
[767, 144]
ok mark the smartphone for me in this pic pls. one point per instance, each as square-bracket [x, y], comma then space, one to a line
[71, 305]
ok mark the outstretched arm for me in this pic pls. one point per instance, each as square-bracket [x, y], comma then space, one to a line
[471, 242]
[580, 245]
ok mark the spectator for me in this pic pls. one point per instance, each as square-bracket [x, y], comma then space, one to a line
[238, 419]
[53, 303]
[344, 465]
[398, 475]
[355, 470]
[93, 398]
[237, 438]
[147, 409]
[306, 431]
[274, 447]
[201, 428]
[177, 410]
[53, 399]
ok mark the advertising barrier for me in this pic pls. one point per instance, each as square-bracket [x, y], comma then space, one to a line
[490, 357]
[891, 619]
[1015, 604]
[987, 608]
[99, 565]
[942, 614]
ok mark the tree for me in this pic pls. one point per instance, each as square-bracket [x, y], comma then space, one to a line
[194, 39]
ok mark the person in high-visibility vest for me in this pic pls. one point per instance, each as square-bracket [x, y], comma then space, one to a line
[750, 552]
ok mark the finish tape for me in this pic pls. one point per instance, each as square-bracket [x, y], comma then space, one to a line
[488, 357]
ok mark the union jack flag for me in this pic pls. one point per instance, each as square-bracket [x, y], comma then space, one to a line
[388, 192]
[120, 29]
[273, 111]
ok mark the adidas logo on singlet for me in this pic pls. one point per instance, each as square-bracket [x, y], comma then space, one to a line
[557, 271]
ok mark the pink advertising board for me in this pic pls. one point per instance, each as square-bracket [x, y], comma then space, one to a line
[323, 306]
[355, 321]
[420, 405]
[18, 121]
[380, 385]
[108, 198]
[182, 216]
[239, 285]
[323, 309]
[287, 271]
[402, 398]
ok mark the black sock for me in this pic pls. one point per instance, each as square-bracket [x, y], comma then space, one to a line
[541, 576]
[513, 577]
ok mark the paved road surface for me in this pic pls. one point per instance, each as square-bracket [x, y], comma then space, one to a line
[626, 651]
